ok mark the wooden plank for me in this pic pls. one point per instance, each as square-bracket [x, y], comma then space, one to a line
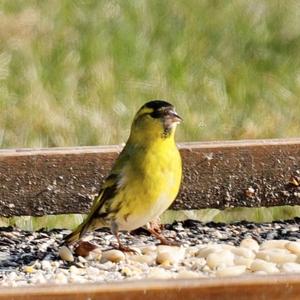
[244, 288]
[216, 175]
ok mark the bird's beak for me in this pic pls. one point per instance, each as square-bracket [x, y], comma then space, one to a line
[175, 118]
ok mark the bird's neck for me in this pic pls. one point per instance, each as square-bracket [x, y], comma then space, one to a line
[152, 138]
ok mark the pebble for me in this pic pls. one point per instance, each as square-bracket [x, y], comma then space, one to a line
[250, 244]
[280, 244]
[210, 250]
[290, 267]
[159, 273]
[186, 274]
[231, 271]
[262, 265]
[168, 255]
[294, 247]
[144, 259]
[244, 261]
[113, 255]
[220, 258]
[242, 251]
[276, 255]
[65, 254]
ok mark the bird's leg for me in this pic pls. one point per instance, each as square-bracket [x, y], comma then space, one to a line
[158, 234]
[115, 231]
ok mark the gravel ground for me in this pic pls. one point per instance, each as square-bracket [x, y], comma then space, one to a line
[211, 249]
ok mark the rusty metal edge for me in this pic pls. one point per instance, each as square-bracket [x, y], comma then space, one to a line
[246, 288]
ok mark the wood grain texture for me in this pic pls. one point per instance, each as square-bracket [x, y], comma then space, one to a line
[243, 288]
[216, 175]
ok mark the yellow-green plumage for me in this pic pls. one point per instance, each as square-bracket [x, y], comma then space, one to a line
[145, 178]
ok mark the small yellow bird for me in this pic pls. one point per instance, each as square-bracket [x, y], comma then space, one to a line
[144, 180]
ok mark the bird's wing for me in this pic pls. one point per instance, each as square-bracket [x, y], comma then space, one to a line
[108, 190]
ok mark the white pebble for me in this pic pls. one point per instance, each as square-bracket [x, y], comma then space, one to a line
[143, 259]
[92, 271]
[113, 255]
[260, 273]
[75, 270]
[60, 278]
[149, 249]
[46, 265]
[293, 247]
[65, 254]
[183, 274]
[95, 254]
[231, 271]
[280, 244]
[290, 267]
[206, 250]
[159, 273]
[250, 244]
[242, 251]
[222, 258]
[265, 266]
[169, 254]
[276, 255]
[244, 261]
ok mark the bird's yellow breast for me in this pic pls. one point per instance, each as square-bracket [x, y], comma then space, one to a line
[149, 185]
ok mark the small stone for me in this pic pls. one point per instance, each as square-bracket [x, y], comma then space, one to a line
[221, 258]
[82, 260]
[46, 265]
[113, 255]
[29, 269]
[144, 259]
[206, 250]
[290, 267]
[262, 265]
[185, 274]
[276, 255]
[96, 254]
[91, 271]
[65, 254]
[61, 278]
[250, 244]
[242, 251]
[84, 248]
[159, 273]
[231, 271]
[274, 244]
[244, 261]
[74, 270]
[149, 249]
[293, 247]
[169, 254]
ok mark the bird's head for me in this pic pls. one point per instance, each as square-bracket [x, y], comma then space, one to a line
[156, 119]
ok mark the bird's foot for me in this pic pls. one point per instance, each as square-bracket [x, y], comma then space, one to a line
[164, 241]
[124, 248]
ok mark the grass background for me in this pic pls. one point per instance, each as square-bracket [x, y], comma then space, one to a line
[74, 72]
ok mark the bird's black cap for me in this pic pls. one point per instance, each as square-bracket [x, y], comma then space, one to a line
[157, 104]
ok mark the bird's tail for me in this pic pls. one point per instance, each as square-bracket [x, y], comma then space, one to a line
[86, 225]
[76, 234]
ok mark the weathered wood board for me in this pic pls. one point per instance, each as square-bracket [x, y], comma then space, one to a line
[238, 288]
[222, 174]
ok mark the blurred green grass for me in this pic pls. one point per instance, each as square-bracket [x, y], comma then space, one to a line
[75, 72]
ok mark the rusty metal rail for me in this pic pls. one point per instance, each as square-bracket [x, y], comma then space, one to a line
[243, 288]
[223, 174]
